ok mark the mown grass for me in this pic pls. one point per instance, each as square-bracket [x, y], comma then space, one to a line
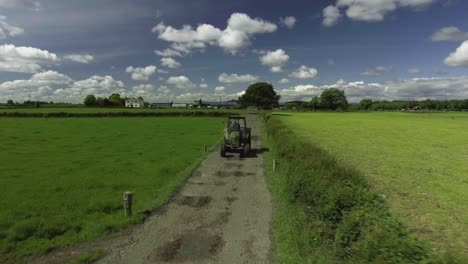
[326, 212]
[418, 162]
[62, 180]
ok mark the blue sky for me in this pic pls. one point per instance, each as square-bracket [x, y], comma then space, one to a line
[385, 49]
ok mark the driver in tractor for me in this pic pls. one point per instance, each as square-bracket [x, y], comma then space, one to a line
[234, 126]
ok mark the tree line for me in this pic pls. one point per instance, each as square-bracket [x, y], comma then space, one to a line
[335, 99]
[113, 100]
[263, 96]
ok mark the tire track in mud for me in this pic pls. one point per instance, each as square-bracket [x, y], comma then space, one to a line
[222, 214]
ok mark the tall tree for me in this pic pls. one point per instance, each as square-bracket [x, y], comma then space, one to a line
[261, 95]
[365, 104]
[90, 100]
[10, 102]
[333, 99]
[315, 103]
[115, 99]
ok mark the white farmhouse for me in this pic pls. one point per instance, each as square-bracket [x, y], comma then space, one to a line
[135, 103]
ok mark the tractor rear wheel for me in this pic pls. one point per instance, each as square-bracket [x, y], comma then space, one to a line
[222, 150]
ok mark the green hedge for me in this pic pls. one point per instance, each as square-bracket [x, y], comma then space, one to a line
[328, 213]
[117, 114]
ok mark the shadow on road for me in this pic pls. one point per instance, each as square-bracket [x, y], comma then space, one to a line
[253, 153]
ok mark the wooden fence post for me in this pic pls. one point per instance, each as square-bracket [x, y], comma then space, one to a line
[128, 200]
[274, 165]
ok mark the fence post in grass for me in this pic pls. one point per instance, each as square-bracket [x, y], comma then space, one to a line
[128, 200]
[274, 165]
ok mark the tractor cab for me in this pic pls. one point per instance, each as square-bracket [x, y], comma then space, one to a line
[236, 136]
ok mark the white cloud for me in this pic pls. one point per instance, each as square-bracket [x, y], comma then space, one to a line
[288, 21]
[412, 89]
[235, 78]
[143, 90]
[170, 63]
[203, 33]
[244, 23]
[187, 48]
[240, 29]
[237, 35]
[181, 82]
[6, 30]
[283, 81]
[369, 10]
[203, 85]
[164, 89]
[304, 72]
[449, 34]
[51, 85]
[168, 53]
[80, 58]
[458, 58]
[331, 15]
[379, 70]
[141, 74]
[24, 59]
[47, 78]
[275, 60]
[220, 89]
[414, 71]
[99, 85]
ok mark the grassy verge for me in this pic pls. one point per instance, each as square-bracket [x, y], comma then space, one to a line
[63, 179]
[327, 213]
[89, 258]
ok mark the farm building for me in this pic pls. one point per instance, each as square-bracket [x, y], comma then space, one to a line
[135, 102]
[226, 104]
[161, 105]
[180, 105]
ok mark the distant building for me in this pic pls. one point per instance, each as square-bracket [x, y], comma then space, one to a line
[226, 104]
[180, 105]
[135, 102]
[295, 104]
[161, 105]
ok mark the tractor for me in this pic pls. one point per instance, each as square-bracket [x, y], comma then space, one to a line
[237, 137]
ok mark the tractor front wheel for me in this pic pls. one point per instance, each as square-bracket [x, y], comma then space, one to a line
[222, 150]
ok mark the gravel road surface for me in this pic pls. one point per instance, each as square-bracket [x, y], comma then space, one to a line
[222, 214]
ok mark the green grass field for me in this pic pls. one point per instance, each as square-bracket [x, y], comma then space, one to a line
[62, 180]
[417, 162]
[107, 110]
